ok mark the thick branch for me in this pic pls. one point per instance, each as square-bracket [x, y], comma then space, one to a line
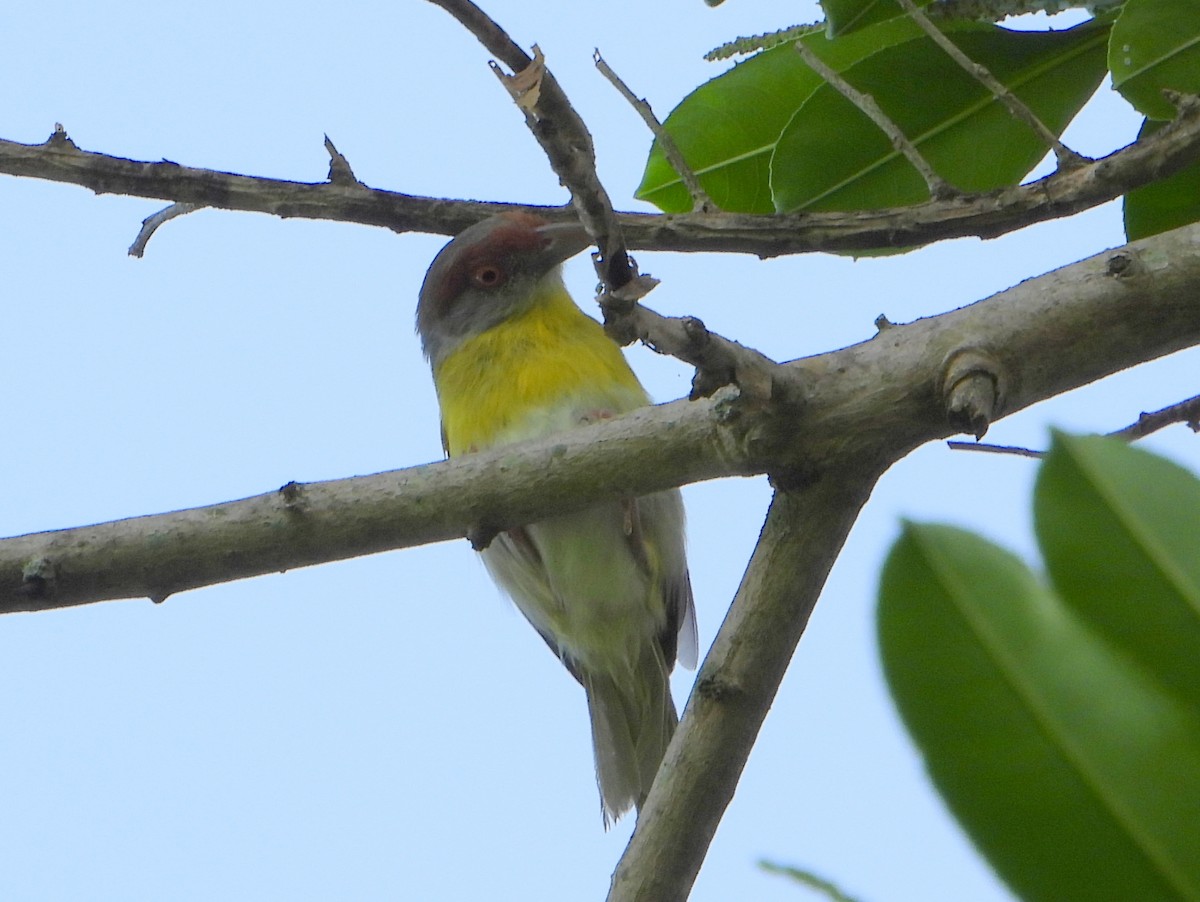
[803, 534]
[986, 216]
[882, 398]
[304, 524]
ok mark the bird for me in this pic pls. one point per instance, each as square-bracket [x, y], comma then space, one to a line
[514, 358]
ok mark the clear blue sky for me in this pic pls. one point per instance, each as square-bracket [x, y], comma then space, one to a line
[389, 728]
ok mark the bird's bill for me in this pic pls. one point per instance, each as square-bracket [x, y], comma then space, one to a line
[564, 241]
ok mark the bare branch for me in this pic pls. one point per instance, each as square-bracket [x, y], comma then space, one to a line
[1063, 193]
[151, 223]
[700, 199]
[1066, 157]
[305, 524]
[939, 188]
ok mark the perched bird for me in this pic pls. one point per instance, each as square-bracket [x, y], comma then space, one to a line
[607, 587]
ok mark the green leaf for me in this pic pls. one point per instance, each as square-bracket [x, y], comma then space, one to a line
[728, 127]
[1164, 205]
[832, 157]
[1120, 531]
[1075, 773]
[1156, 44]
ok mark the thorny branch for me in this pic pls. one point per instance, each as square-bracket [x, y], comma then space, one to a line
[1064, 193]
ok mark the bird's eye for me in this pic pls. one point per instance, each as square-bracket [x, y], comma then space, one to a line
[487, 275]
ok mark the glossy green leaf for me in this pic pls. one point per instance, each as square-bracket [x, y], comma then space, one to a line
[1156, 44]
[728, 127]
[1165, 205]
[832, 157]
[845, 16]
[1075, 773]
[1120, 531]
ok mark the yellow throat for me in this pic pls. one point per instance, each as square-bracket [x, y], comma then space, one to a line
[499, 386]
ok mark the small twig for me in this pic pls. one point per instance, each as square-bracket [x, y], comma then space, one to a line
[561, 133]
[1187, 412]
[1066, 157]
[939, 188]
[701, 202]
[995, 449]
[1184, 412]
[151, 223]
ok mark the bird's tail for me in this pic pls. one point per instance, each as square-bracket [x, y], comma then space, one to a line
[632, 722]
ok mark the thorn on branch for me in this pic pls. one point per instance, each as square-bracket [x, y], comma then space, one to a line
[939, 188]
[340, 172]
[151, 223]
[701, 202]
[59, 139]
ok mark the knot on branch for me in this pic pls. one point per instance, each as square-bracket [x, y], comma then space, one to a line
[38, 577]
[719, 689]
[973, 390]
[1123, 265]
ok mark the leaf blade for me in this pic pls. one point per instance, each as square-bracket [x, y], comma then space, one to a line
[998, 683]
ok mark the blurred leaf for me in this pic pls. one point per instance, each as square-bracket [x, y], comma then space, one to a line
[1164, 205]
[1120, 531]
[1076, 774]
[1156, 44]
[815, 882]
[728, 127]
[832, 157]
[845, 16]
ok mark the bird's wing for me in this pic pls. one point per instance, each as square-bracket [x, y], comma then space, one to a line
[654, 530]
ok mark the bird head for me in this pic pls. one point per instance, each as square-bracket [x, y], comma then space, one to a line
[488, 273]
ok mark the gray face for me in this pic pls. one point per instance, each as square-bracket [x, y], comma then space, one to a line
[486, 274]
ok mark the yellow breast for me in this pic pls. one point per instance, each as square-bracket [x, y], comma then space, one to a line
[531, 375]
